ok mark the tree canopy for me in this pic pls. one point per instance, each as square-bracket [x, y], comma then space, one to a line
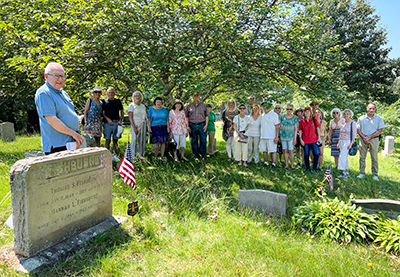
[273, 48]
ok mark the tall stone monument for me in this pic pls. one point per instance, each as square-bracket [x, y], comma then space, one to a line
[58, 196]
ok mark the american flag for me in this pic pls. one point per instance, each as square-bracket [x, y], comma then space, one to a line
[126, 169]
[328, 176]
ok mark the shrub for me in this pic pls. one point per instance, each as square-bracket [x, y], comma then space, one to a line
[336, 220]
[388, 235]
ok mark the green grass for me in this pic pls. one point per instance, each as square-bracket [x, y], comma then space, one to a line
[189, 224]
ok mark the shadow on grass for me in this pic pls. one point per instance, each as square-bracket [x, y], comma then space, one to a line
[89, 258]
[186, 186]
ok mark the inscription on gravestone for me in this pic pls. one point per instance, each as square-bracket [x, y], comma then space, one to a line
[57, 196]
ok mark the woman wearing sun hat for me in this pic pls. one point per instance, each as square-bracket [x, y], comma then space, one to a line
[92, 114]
[179, 127]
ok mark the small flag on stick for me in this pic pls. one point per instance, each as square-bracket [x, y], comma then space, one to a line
[328, 176]
[126, 169]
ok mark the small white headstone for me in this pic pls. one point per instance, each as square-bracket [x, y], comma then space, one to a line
[389, 146]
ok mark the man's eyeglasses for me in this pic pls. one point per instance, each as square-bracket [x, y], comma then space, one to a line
[289, 109]
[63, 77]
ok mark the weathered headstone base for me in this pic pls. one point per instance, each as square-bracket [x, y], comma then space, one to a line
[263, 201]
[51, 256]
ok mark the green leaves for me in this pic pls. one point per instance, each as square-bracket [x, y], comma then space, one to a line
[336, 220]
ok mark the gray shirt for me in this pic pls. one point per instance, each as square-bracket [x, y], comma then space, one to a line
[368, 126]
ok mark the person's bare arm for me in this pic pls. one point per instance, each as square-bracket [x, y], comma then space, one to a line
[62, 128]
[277, 129]
[121, 118]
[85, 114]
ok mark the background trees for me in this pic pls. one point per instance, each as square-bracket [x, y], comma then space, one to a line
[274, 48]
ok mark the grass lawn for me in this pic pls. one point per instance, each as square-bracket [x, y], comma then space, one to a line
[189, 224]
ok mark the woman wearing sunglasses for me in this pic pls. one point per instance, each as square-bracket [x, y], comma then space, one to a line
[93, 115]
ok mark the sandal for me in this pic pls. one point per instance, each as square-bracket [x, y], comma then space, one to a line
[176, 160]
[184, 158]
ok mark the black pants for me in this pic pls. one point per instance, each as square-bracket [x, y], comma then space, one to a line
[56, 149]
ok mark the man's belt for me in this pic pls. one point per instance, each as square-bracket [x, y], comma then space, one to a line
[197, 123]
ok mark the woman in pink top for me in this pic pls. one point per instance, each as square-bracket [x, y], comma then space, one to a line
[345, 143]
[179, 127]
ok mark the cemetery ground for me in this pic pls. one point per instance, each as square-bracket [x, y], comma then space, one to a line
[189, 223]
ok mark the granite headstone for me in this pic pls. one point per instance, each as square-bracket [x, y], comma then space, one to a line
[58, 196]
[264, 201]
[389, 146]
[7, 131]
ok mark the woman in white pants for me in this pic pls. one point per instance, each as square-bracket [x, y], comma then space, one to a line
[137, 117]
[241, 125]
[345, 143]
[254, 135]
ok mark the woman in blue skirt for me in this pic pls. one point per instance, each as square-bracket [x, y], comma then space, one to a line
[158, 123]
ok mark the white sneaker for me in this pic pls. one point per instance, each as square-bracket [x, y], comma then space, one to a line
[375, 178]
[361, 176]
[115, 158]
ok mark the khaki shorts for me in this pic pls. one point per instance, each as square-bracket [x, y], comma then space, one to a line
[268, 145]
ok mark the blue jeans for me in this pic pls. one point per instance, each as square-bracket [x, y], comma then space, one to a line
[197, 131]
[314, 148]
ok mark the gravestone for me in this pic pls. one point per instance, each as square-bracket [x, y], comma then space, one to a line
[58, 196]
[7, 132]
[389, 146]
[264, 201]
[390, 208]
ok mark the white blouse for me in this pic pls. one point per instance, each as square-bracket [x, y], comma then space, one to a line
[139, 113]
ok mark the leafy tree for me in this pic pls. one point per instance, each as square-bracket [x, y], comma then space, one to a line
[362, 39]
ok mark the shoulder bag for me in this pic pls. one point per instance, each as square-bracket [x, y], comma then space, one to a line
[242, 132]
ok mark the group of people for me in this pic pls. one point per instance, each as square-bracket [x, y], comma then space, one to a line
[247, 132]
[248, 129]
[162, 125]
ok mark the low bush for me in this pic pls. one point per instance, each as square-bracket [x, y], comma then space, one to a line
[388, 235]
[336, 220]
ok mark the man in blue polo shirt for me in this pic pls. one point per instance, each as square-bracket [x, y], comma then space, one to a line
[58, 121]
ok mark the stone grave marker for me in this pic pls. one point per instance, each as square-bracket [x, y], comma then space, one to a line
[58, 196]
[390, 208]
[7, 131]
[389, 146]
[264, 201]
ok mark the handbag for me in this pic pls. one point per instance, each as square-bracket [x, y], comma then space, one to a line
[244, 140]
[353, 149]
